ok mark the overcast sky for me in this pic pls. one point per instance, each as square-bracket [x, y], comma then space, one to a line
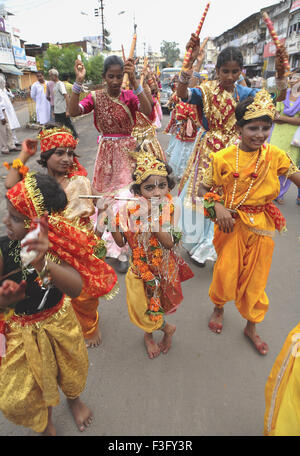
[157, 20]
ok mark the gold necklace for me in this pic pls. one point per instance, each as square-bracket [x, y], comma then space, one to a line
[236, 176]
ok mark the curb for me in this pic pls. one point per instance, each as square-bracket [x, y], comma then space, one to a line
[33, 126]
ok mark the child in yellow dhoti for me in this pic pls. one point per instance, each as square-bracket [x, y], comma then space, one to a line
[45, 346]
[245, 215]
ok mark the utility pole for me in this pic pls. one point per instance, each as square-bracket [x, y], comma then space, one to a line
[102, 22]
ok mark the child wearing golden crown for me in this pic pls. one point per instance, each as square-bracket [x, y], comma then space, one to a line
[245, 216]
[59, 158]
[154, 279]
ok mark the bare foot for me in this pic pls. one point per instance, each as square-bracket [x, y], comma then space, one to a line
[152, 348]
[261, 346]
[216, 320]
[94, 341]
[81, 413]
[166, 343]
[50, 430]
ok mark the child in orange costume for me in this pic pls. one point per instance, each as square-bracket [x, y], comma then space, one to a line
[154, 279]
[247, 219]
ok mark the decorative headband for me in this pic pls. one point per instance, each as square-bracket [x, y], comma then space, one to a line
[148, 165]
[261, 106]
[56, 137]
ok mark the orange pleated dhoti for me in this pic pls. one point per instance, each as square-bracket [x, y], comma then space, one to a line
[241, 271]
[85, 308]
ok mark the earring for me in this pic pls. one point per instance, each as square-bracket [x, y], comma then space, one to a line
[27, 223]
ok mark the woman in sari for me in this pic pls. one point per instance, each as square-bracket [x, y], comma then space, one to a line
[114, 117]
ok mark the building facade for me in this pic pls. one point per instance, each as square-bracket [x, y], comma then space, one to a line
[253, 38]
[18, 68]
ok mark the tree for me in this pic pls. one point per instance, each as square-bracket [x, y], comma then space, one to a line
[95, 69]
[170, 52]
[63, 59]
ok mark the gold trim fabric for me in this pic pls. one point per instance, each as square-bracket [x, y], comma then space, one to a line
[41, 357]
[219, 109]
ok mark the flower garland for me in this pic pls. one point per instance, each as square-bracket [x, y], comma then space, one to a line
[209, 205]
[18, 165]
[142, 264]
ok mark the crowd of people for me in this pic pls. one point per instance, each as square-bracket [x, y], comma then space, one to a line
[233, 153]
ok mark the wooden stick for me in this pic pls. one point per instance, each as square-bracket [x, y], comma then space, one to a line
[131, 55]
[123, 53]
[144, 68]
[189, 52]
[275, 38]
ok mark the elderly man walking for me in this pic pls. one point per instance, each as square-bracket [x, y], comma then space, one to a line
[61, 101]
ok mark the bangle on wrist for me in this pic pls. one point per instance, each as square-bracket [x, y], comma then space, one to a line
[77, 87]
[196, 74]
[44, 274]
[138, 91]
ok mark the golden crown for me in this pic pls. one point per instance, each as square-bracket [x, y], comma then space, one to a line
[262, 106]
[148, 165]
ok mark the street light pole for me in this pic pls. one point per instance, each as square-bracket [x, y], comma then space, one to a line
[102, 21]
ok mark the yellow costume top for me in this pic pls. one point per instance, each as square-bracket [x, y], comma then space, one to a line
[257, 171]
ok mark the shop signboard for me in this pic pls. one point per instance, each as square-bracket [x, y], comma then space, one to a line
[20, 56]
[295, 6]
[270, 49]
[31, 63]
[6, 54]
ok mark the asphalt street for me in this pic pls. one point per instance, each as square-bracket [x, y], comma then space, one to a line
[208, 384]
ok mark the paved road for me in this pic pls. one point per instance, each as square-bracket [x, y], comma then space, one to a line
[208, 384]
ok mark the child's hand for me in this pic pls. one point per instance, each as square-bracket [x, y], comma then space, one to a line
[29, 146]
[224, 218]
[41, 244]
[11, 293]
[193, 43]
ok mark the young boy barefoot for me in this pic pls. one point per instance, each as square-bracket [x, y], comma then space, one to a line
[154, 279]
[245, 215]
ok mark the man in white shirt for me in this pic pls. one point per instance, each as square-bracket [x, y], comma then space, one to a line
[6, 140]
[8, 121]
[61, 101]
[38, 94]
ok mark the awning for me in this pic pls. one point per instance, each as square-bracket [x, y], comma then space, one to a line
[11, 69]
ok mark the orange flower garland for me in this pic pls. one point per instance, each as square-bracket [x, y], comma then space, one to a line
[18, 165]
[139, 257]
[210, 199]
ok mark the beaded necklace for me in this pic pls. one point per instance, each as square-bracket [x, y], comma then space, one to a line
[236, 176]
